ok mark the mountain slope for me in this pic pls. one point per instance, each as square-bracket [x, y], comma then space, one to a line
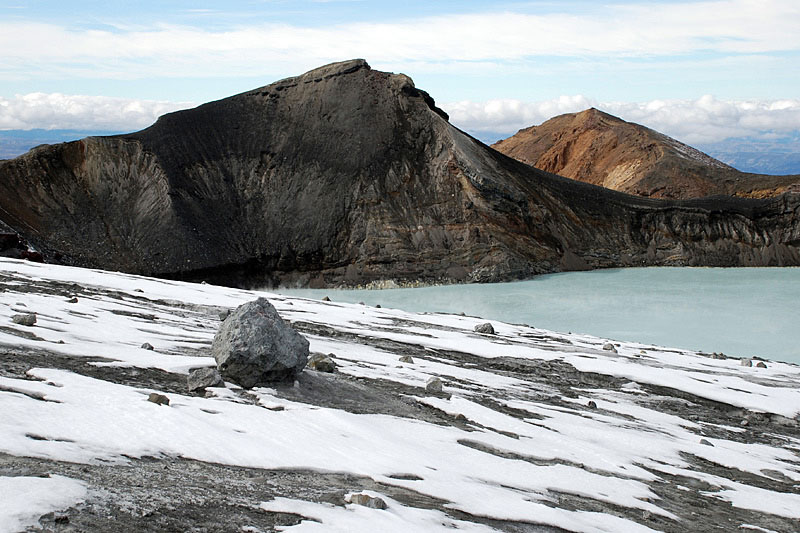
[598, 148]
[347, 175]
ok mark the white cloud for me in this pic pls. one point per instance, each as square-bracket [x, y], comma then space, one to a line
[31, 49]
[61, 111]
[698, 121]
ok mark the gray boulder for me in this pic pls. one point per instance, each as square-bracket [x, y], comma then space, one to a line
[24, 319]
[322, 363]
[254, 345]
[434, 385]
[746, 362]
[158, 399]
[406, 359]
[373, 502]
[147, 346]
[201, 378]
[486, 328]
[609, 347]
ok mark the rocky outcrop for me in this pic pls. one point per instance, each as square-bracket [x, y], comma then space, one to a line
[601, 149]
[254, 346]
[345, 176]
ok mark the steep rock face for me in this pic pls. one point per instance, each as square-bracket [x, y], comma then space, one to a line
[598, 148]
[347, 175]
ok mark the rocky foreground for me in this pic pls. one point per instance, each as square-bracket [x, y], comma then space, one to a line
[530, 431]
[346, 176]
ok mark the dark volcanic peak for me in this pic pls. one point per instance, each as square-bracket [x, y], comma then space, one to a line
[347, 175]
[598, 148]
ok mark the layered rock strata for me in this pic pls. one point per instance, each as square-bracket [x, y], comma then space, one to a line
[345, 176]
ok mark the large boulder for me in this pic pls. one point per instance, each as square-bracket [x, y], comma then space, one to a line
[254, 345]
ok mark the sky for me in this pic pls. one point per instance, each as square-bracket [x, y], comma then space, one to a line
[701, 71]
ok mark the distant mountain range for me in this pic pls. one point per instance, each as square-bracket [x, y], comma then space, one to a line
[757, 155]
[17, 142]
[601, 149]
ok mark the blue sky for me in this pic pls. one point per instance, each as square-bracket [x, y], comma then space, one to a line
[698, 70]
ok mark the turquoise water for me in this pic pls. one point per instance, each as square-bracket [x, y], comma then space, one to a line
[738, 311]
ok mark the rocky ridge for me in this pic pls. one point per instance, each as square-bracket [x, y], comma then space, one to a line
[601, 149]
[347, 176]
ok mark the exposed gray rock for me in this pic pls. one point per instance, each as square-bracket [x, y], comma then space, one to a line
[485, 328]
[706, 442]
[761, 364]
[147, 346]
[201, 378]
[592, 404]
[254, 345]
[433, 384]
[72, 300]
[24, 319]
[326, 299]
[224, 314]
[367, 501]
[157, 398]
[609, 347]
[746, 362]
[406, 359]
[322, 363]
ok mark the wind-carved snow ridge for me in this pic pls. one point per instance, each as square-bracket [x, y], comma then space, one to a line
[533, 427]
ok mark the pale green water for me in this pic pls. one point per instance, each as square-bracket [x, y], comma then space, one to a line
[738, 311]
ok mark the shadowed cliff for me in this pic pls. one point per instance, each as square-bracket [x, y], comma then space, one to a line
[347, 175]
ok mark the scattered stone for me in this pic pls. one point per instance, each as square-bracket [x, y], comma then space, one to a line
[643, 352]
[157, 398]
[61, 519]
[609, 347]
[224, 314]
[705, 442]
[746, 362]
[433, 384]
[138, 290]
[406, 359]
[326, 299]
[73, 300]
[592, 404]
[147, 346]
[462, 313]
[744, 422]
[486, 328]
[367, 501]
[200, 378]
[719, 356]
[322, 363]
[460, 418]
[761, 364]
[20, 304]
[24, 319]
[254, 345]
[377, 306]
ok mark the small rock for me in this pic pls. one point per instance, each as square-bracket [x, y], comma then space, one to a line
[157, 398]
[433, 384]
[744, 422]
[224, 314]
[609, 347]
[138, 290]
[486, 328]
[705, 442]
[322, 363]
[746, 362]
[200, 378]
[147, 346]
[61, 519]
[761, 364]
[462, 313]
[460, 418]
[406, 359]
[367, 501]
[24, 319]
[72, 300]
[326, 299]
[591, 404]
[377, 306]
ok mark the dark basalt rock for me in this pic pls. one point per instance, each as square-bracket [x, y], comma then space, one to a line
[346, 175]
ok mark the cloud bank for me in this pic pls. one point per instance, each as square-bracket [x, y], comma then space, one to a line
[699, 121]
[79, 112]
